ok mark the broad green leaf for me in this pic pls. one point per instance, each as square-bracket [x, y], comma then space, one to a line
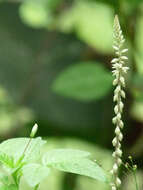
[81, 166]
[93, 23]
[74, 161]
[15, 148]
[84, 81]
[61, 155]
[35, 173]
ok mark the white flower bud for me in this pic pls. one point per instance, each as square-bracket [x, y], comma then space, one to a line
[120, 137]
[118, 89]
[124, 50]
[117, 130]
[119, 161]
[115, 168]
[115, 47]
[114, 154]
[123, 94]
[121, 105]
[121, 124]
[114, 141]
[118, 116]
[115, 81]
[122, 41]
[124, 57]
[122, 80]
[118, 152]
[115, 60]
[116, 109]
[115, 98]
[119, 145]
[34, 130]
[118, 181]
[114, 120]
[125, 69]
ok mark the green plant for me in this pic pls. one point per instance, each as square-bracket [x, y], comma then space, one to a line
[20, 157]
[23, 158]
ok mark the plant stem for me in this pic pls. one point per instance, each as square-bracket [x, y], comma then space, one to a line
[135, 178]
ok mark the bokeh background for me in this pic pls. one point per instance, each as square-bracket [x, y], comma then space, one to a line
[55, 70]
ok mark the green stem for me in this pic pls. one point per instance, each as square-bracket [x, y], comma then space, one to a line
[135, 178]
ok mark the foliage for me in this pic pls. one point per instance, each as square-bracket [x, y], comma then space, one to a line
[43, 39]
[18, 157]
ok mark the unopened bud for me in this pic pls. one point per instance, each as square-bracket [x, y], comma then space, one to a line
[115, 82]
[118, 181]
[121, 124]
[114, 120]
[118, 152]
[123, 94]
[115, 168]
[117, 130]
[122, 80]
[119, 161]
[116, 109]
[34, 130]
[121, 105]
[114, 142]
[120, 136]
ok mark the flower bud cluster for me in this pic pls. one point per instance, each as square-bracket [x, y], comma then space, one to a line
[119, 69]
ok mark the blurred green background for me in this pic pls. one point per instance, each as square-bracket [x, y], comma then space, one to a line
[55, 70]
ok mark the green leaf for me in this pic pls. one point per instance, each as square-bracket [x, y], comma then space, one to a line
[61, 155]
[93, 23]
[84, 81]
[15, 148]
[81, 166]
[73, 161]
[35, 173]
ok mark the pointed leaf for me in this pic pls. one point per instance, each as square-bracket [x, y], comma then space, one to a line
[81, 166]
[35, 173]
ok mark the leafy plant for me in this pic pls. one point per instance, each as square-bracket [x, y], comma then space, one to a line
[21, 157]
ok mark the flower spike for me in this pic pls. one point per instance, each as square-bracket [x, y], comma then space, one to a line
[119, 69]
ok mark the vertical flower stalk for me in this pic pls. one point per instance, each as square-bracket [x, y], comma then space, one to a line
[119, 69]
